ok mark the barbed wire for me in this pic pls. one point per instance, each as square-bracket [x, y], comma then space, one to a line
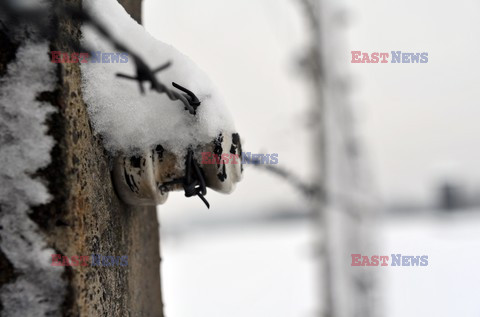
[143, 73]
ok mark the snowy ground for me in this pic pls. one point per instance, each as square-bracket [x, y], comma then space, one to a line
[450, 284]
[269, 269]
[261, 271]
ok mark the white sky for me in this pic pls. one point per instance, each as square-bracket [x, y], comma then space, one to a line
[418, 121]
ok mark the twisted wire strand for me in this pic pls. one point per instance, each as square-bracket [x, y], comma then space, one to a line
[307, 190]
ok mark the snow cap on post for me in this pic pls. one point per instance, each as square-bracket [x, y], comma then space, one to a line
[134, 123]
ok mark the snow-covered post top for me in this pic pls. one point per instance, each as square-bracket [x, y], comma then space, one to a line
[158, 142]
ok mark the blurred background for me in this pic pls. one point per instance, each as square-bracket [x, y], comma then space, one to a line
[392, 150]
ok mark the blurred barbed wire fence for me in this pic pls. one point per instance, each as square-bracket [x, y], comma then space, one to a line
[345, 207]
[341, 192]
